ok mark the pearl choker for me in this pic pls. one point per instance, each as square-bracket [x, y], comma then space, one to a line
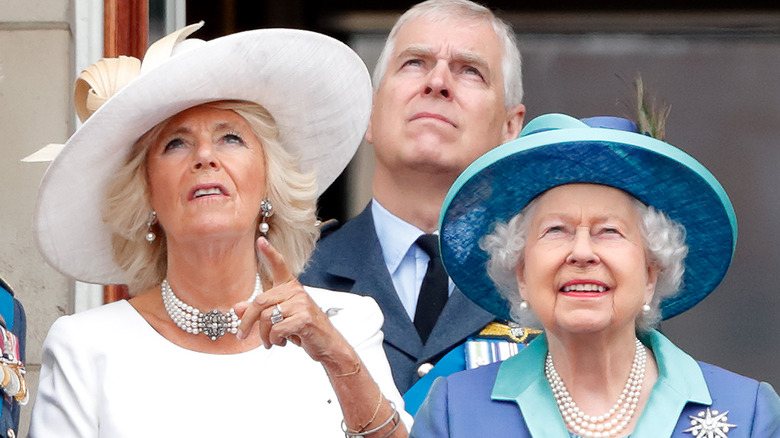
[617, 418]
[213, 323]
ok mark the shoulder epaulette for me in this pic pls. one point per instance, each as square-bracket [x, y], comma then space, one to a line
[4, 285]
[327, 227]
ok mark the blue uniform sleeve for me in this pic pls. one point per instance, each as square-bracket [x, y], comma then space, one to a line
[432, 419]
[767, 418]
[452, 362]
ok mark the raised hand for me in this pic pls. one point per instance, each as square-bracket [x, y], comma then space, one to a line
[286, 312]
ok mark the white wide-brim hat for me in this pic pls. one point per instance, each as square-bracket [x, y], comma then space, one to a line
[317, 89]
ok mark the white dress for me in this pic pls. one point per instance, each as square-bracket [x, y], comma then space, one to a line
[107, 373]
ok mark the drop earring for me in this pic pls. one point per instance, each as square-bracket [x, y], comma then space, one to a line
[267, 210]
[150, 236]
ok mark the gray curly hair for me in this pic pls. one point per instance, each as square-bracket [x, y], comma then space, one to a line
[663, 240]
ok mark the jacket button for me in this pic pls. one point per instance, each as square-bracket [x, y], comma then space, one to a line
[10, 433]
[424, 369]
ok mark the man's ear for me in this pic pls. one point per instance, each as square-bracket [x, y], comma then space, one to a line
[369, 132]
[514, 122]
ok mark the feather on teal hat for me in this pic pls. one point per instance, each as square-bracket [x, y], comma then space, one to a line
[557, 149]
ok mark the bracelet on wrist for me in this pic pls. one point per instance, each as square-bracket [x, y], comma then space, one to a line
[358, 367]
[394, 417]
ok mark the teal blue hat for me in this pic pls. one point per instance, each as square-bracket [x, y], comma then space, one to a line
[555, 149]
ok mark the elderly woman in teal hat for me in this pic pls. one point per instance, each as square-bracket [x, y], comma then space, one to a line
[595, 232]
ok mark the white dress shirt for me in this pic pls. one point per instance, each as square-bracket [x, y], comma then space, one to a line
[406, 262]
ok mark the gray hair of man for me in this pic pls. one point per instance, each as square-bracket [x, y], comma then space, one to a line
[441, 10]
[663, 240]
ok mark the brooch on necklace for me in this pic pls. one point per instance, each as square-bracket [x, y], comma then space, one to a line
[710, 424]
[214, 324]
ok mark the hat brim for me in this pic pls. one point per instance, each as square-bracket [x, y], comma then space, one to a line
[502, 182]
[317, 89]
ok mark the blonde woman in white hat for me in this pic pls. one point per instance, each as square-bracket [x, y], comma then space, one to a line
[195, 164]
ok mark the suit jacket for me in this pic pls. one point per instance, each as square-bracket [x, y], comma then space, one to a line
[491, 401]
[350, 259]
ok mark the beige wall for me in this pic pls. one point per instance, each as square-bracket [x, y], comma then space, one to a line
[35, 64]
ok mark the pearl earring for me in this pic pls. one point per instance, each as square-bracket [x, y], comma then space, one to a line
[524, 305]
[267, 209]
[646, 308]
[150, 236]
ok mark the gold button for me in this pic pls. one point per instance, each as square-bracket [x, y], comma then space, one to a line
[424, 369]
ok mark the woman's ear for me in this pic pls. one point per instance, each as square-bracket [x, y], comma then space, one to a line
[520, 275]
[652, 282]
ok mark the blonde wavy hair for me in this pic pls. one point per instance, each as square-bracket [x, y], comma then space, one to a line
[127, 207]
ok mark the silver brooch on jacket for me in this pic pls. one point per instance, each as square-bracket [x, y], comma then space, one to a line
[710, 424]
[332, 311]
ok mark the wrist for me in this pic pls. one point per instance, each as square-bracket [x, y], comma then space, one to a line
[337, 358]
[342, 365]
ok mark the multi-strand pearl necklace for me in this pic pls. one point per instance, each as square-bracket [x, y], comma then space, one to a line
[617, 418]
[213, 323]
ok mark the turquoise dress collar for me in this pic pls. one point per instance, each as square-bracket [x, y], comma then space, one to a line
[680, 380]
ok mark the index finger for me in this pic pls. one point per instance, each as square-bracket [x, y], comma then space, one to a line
[278, 267]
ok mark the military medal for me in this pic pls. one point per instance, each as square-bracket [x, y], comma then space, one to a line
[12, 381]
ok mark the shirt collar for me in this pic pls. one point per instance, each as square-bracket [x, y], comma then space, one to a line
[395, 235]
[680, 380]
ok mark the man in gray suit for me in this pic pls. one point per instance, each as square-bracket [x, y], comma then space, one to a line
[447, 88]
